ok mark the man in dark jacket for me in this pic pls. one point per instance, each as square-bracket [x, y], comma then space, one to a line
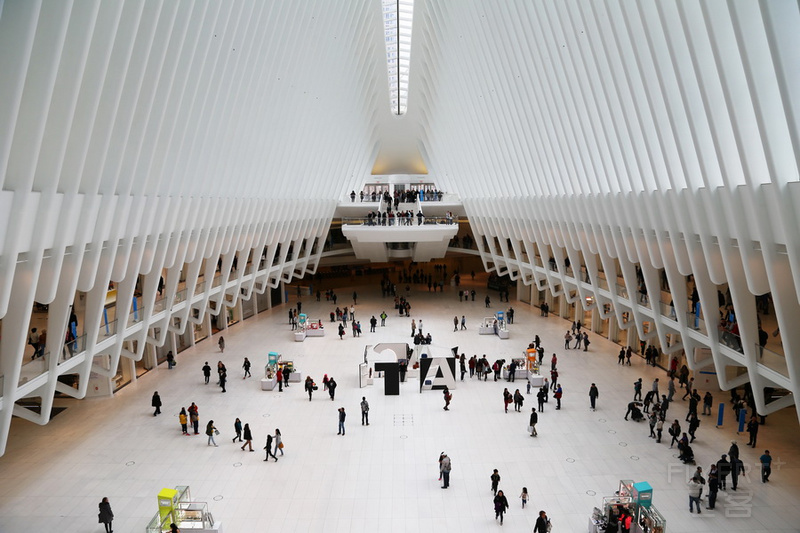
[533, 421]
[723, 469]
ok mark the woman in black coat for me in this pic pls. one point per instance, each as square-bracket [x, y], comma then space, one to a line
[542, 523]
[156, 402]
[248, 438]
[106, 515]
[500, 506]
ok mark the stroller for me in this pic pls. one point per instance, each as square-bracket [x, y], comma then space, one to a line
[636, 414]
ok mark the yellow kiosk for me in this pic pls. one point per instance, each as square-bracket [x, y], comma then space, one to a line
[167, 504]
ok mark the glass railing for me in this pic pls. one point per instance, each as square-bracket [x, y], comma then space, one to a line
[73, 348]
[398, 221]
[217, 281]
[730, 339]
[696, 322]
[134, 317]
[622, 291]
[200, 287]
[107, 329]
[32, 368]
[602, 283]
[180, 296]
[159, 305]
[667, 310]
[772, 360]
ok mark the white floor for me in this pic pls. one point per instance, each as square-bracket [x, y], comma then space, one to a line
[382, 477]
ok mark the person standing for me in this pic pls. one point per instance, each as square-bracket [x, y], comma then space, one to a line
[278, 442]
[723, 470]
[331, 388]
[364, 411]
[309, 386]
[248, 438]
[156, 402]
[495, 477]
[170, 360]
[500, 506]
[223, 379]
[695, 488]
[713, 488]
[183, 419]
[655, 387]
[210, 430]
[708, 401]
[540, 398]
[237, 428]
[488, 301]
[268, 448]
[246, 366]
[463, 366]
[383, 318]
[286, 374]
[455, 323]
[194, 418]
[207, 372]
[542, 523]
[766, 466]
[463, 322]
[342, 416]
[637, 390]
[752, 429]
[559, 393]
[373, 322]
[567, 339]
[106, 515]
[221, 344]
[532, 423]
[593, 394]
[507, 399]
[446, 466]
[447, 397]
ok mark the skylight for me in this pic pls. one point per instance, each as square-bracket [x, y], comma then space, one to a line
[397, 17]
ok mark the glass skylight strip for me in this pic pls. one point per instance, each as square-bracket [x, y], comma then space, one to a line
[397, 18]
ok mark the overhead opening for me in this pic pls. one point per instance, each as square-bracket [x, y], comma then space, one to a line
[397, 17]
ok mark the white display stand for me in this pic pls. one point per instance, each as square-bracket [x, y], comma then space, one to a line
[295, 377]
[536, 380]
[487, 328]
[318, 332]
[300, 336]
[520, 373]
[269, 383]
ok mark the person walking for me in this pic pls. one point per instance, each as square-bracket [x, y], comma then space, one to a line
[519, 399]
[708, 401]
[309, 386]
[500, 506]
[342, 416]
[462, 363]
[524, 496]
[593, 394]
[106, 515]
[495, 478]
[194, 418]
[441, 456]
[532, 423]
[268, 448]
[210, 431]
[447, 397]
[463, 322]
[455, 323]
[694, 423]
[331, 388]
[637, 390]
[364, 411]
[248, 438]
[237, 428]
[156, 402]
[542, 523]
[446, 467]
[675, 432]
[207, 372]
[507, 399]
[221, 343]
[246, 366]
[766, 466]
[278, 442]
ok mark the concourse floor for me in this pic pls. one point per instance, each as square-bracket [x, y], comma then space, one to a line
[382, 477]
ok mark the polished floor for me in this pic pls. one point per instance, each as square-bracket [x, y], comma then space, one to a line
[381, 477]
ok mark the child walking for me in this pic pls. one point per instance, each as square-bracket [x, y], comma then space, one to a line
[524, 496]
